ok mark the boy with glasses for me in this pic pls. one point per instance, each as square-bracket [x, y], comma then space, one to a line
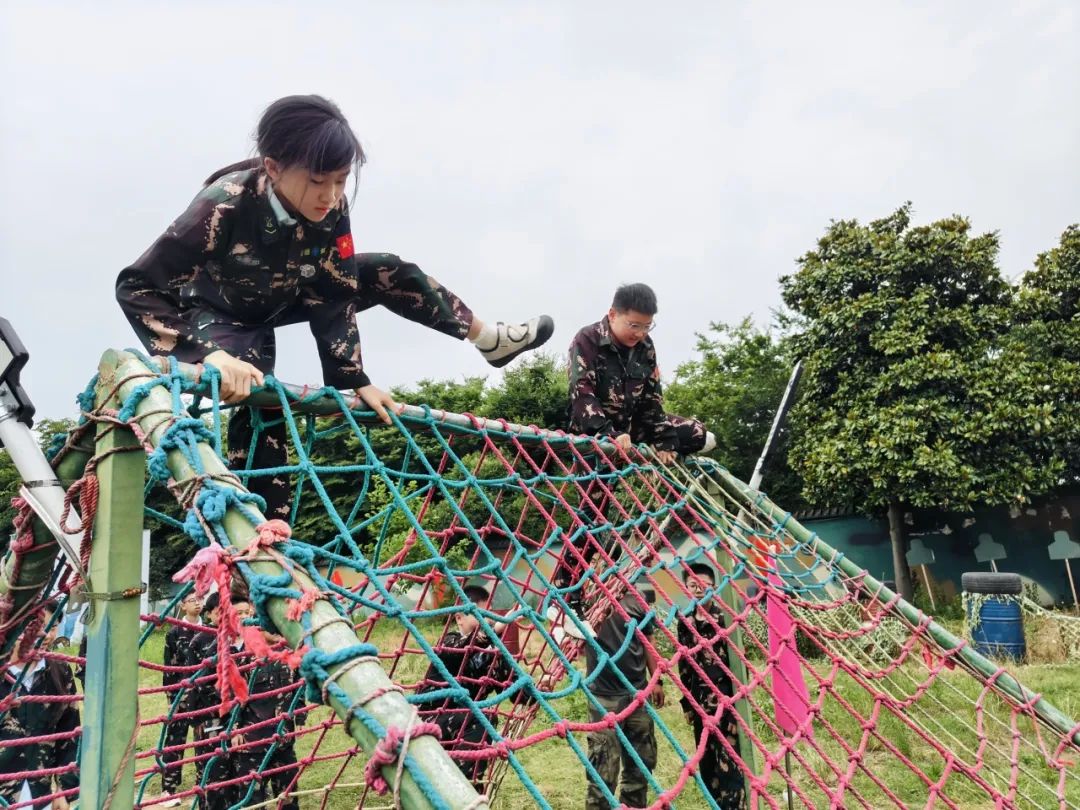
[615, 382]
[615, 393]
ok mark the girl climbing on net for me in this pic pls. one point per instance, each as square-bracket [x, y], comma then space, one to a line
[267, 243]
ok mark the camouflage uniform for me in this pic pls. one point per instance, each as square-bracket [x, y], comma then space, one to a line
[216, 766]
[481, 670]
[615, 390]
[261, 707]
[719, 770]
[236, 265]
[606, 753]
[178, 642]
[24, 719]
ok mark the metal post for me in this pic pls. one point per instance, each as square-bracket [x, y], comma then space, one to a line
[110, 719]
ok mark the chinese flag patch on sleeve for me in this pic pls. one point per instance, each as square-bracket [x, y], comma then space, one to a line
[345, 246]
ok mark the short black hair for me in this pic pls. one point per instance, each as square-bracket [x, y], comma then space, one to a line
[310, 132]
[637, 297]
[702, 570]
[477, 594]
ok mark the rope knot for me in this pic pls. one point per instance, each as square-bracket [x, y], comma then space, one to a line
[394, 747]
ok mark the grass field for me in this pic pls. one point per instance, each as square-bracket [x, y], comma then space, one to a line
[557, 774]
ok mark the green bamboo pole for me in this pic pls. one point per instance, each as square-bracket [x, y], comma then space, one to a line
[1008, 684]
[359, 679]
[110, 714]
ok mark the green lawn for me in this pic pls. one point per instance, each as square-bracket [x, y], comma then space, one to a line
[555, 770]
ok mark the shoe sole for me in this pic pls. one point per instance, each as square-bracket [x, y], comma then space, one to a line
[544, 330]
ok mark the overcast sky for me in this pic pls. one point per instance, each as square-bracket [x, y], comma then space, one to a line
[529, 156]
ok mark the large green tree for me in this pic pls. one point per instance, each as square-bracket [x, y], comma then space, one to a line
[734, 386]
[908, 399]
[1046, 333]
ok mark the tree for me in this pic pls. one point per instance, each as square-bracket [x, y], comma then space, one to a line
[908, 399]
[735, 387]
[1046, 332]
[535, 392]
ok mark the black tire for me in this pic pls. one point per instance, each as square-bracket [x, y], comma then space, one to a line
[989, 582]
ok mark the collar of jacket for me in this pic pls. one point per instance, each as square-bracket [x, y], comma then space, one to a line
[603, 332]
[276, 221]
[603, 335]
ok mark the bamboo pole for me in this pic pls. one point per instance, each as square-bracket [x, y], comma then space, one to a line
[359, 679]
[110, 720]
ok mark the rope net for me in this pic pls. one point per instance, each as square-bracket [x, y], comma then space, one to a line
[529, 594]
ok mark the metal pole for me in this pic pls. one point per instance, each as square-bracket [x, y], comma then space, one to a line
[35, 567]
[110, 721]
[929, 590]
[358, 679]
[778, 424]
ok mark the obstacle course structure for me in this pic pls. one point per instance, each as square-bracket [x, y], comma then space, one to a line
[844, 695]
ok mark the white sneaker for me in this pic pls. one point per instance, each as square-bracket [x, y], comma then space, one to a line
[710, 442]
[513, 339]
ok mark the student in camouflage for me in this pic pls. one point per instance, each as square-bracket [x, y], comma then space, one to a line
[479, 667]
[615, 381]
[30, 675]
[178, 643]
[698, 636]
[258, 721]
[616, 683]
[268, 243]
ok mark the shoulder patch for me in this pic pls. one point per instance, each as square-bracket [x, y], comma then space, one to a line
[345, 246]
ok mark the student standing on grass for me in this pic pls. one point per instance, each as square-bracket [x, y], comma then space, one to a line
[480, 669]
[268, 243]
[698, 638]
[178, 642]
[616, 683]
[615, 381]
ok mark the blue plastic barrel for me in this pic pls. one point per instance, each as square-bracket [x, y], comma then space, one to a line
[998, 630]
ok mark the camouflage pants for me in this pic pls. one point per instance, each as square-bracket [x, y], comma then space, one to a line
[689, 433]
[719, 771]
[10, 792]
[271, 450]
[608, 755]
[176, 733]
[276, 784]
[403, 288]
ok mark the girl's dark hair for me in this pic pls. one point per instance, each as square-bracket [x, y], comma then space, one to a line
[310, 132]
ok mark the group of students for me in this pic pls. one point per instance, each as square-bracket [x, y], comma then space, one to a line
[253, 740]
[620, 660]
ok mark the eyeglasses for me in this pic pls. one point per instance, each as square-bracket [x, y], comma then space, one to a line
[640, 328]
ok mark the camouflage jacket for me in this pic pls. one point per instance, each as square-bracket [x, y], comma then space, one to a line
[616, 390]
[703, 686]
[236, 261]
[263, 703]
[477, 666]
